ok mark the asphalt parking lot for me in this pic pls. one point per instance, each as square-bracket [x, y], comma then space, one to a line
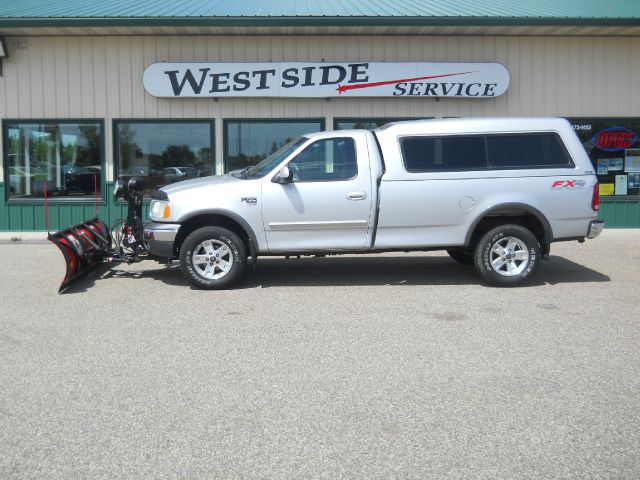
[394, 366]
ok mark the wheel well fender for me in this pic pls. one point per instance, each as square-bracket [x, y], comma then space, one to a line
[522, 214]
[222, 218]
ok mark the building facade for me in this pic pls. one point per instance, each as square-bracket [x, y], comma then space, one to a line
[75, 113]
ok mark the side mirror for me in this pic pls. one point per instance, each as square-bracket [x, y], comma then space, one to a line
[285, 175]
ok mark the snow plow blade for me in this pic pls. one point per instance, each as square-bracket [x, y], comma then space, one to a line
[83, 246]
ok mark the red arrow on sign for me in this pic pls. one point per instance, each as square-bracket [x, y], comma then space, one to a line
[344, 88]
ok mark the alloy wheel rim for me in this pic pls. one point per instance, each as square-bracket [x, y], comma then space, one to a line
[509, 256]
[212, 259]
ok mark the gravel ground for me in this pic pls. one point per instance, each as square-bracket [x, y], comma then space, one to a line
[395, 365]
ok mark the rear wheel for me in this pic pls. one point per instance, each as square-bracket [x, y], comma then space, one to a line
[507, 255]
[213, 258]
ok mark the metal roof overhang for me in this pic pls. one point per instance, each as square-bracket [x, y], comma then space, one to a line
[537, 26]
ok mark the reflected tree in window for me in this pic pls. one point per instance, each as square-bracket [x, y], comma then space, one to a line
[65, 158]
[363, 123]
[178, 155]
[164, 152]
[249, 141]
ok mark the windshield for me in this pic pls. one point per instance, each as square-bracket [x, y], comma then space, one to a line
[272, 161]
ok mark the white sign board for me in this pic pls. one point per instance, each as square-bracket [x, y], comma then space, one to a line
[300, 79]
[621, 185]
[632, 160]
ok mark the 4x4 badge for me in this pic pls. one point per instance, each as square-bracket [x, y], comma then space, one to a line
[249, 200]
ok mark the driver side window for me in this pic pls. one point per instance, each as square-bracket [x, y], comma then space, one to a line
[326, 160]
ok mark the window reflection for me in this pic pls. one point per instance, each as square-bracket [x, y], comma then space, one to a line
[364, 123]
[164, 152]
[249, 141]
[63, 158]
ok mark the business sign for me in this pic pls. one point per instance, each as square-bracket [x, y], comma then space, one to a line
[301, 79]
[614, 139]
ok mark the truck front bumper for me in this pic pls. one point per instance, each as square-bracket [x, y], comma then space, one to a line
[595, 228]
[160, 238]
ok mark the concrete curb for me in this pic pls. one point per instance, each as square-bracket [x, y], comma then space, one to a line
[18, 237]
[621, 232]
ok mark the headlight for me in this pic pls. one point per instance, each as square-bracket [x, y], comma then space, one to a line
[160, 210]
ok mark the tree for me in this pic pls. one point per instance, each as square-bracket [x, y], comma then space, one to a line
[176, 155]
[128, 147]
[88, 146]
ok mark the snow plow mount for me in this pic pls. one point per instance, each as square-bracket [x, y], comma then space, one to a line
[90, 243]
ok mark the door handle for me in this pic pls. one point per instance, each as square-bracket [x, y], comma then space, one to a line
[356, 195]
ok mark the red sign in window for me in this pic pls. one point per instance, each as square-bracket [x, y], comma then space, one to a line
[613, 139]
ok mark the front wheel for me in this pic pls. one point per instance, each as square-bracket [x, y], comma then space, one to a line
[213, 258]
[507, 255]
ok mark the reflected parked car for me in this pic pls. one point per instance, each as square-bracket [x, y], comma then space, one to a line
[175, 174]
[79, 179]
[140, 171]
[95, 169]
[152, 177]
[204, 170]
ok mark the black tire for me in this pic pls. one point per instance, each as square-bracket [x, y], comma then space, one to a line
[235, 255]
[510, 267]
[460, 256]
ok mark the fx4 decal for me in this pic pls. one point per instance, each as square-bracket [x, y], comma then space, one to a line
[249, 200]
[568, 184]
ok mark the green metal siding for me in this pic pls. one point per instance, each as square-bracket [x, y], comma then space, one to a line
[620, 213]
[29, 216]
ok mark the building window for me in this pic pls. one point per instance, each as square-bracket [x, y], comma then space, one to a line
[365, 123]
[65, 158]
[614, 148]
[247, 142]
[163, 152]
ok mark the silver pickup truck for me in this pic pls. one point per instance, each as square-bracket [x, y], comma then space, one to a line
[492, 192]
